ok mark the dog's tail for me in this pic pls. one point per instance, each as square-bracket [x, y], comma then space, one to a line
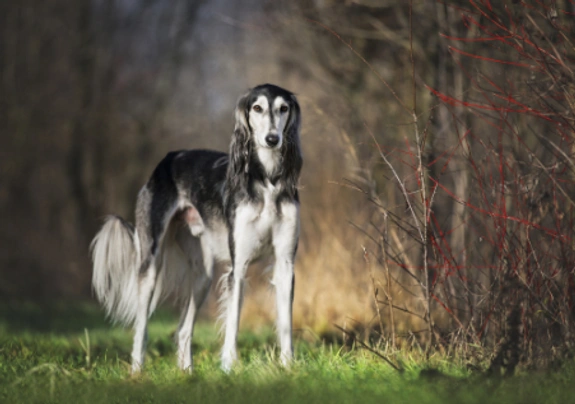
[116, 259]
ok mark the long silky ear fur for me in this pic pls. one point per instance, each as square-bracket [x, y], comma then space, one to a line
[240, 147]
[292, 155]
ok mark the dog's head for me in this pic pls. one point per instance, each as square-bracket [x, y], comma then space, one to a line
[267, 117]
[268, 114]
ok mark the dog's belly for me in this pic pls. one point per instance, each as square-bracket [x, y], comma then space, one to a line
[216, 239]
[253, 237]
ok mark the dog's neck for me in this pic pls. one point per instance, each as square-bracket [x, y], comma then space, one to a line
[271, 160]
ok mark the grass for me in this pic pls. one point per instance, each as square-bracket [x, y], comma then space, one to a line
[68, 353]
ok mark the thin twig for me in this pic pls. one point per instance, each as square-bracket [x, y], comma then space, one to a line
[399, 368]
[388, 294]
[368, 263]
[403, 309]
[422, 184]
[379, 76]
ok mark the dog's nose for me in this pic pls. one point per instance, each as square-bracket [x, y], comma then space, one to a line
[272, 140]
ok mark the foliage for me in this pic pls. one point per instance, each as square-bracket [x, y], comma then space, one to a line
[49, 364]
[471, 231]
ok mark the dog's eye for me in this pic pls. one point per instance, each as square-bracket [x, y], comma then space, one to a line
[283, 109]
[257, 108]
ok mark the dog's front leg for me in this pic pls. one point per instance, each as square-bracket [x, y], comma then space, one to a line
[283, 281]
[285, 239]
[244, 241]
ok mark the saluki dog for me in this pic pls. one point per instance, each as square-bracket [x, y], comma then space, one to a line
[200, 207]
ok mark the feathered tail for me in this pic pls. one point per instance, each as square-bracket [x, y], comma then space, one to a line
[116, 259]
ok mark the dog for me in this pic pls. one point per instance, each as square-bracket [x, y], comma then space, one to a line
[200, 207]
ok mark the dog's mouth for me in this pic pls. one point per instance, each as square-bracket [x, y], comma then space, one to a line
[277, 147]
[266, 146]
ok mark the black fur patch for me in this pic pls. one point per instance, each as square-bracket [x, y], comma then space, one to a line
[215, 183]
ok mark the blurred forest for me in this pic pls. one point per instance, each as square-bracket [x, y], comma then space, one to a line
[437, 190]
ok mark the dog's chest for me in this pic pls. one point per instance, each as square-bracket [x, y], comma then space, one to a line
[265, 213]
[255, 222]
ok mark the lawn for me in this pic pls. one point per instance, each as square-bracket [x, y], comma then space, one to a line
[68, 353]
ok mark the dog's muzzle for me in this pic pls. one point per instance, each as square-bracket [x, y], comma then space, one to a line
[272, 140]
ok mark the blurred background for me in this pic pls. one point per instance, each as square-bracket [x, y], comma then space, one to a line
[95, 93]
[405, 226]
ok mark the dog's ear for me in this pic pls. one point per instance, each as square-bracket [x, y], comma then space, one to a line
[294, 120]
[292, 155]
[242, 114]
[240, 147]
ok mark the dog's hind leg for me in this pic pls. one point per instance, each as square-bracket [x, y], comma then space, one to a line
[153, 214]
[146, 285]
[200, 266]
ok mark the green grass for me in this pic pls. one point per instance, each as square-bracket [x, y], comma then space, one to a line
[68, 353]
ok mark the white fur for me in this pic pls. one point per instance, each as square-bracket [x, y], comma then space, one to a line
[184, 269]
[269, 158]
[116, 262]
[285, 233]
[260, 230]
[129, 298]
[262, 123]
[215, 239]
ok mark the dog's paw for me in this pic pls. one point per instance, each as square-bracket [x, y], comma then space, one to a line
[228, 360]
[136, 368]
